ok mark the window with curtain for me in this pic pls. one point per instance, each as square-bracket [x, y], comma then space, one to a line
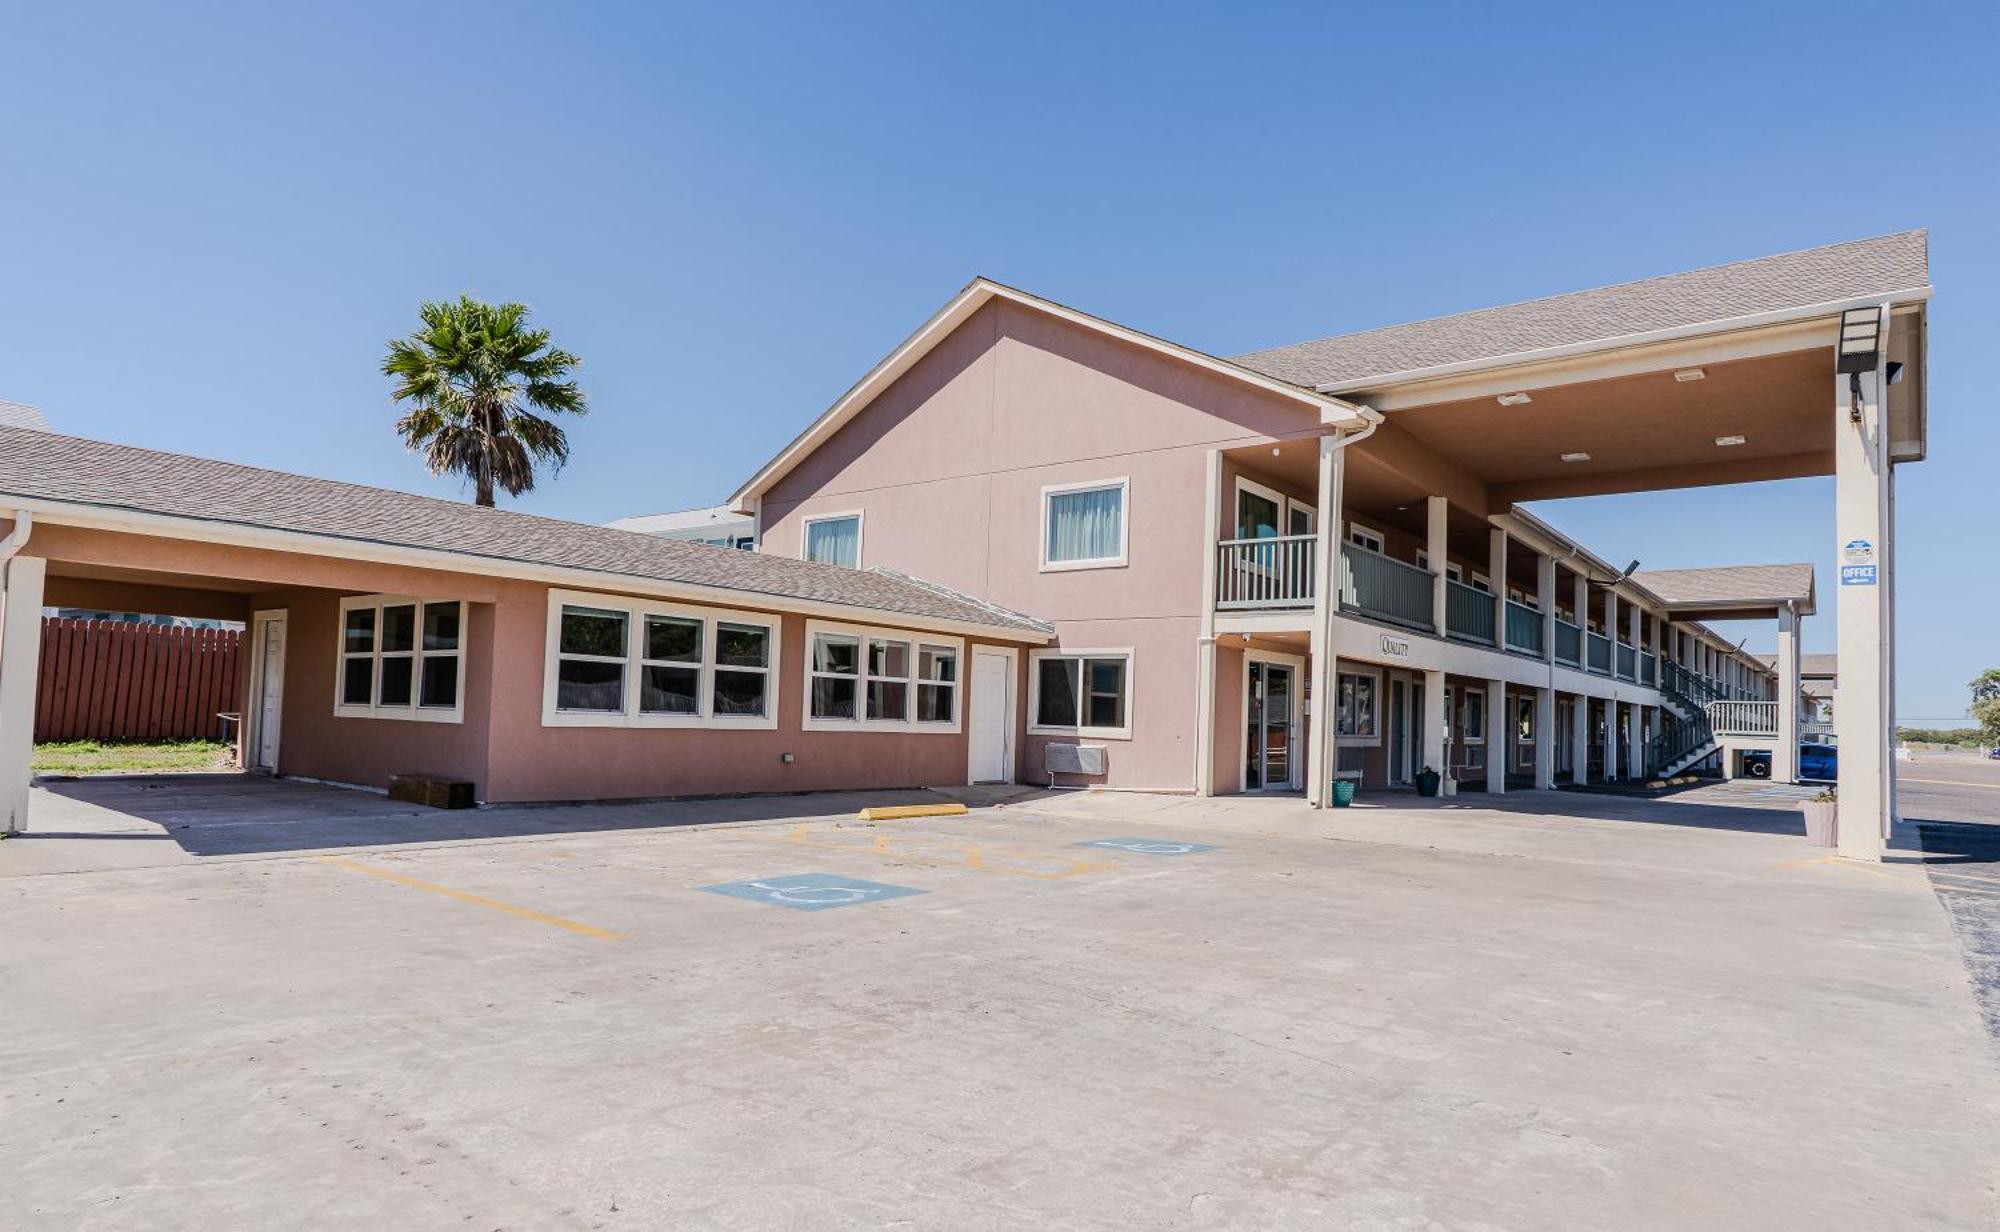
[1084, 526]
[835, 541]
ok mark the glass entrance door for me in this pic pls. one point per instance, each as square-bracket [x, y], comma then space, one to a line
[1268, 763]
[1399, 731]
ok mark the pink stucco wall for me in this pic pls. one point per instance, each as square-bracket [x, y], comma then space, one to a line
[947, 467]
[501, 744]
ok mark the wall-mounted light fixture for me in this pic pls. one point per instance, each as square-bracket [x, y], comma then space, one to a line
[1576, 457]
[1726, 441]
[1514, 399]
[1690, 374]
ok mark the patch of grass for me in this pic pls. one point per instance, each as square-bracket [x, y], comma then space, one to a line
[107, 757]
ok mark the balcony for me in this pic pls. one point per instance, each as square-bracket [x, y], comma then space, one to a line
[1386, 588]
[1600, 654]
[1524, 629]
[1569, 643]
[1743, 718]
[1264, 574]
[1628, 662]
[1468, 613]
[1649, 669]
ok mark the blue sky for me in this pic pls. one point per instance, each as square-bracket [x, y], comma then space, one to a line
[215, 216]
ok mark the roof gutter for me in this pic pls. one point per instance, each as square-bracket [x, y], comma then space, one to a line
[375, 551]
[1756, 320]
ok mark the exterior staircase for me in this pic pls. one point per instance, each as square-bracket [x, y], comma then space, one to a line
[1691, 739]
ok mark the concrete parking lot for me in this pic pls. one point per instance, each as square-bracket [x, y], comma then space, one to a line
[241, 1004]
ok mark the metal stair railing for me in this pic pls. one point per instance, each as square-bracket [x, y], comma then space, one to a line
[1690, 694]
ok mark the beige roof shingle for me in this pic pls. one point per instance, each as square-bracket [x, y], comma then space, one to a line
[1729, 585]
[1885, 264]
[48, 466]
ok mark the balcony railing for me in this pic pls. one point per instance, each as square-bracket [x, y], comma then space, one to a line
[1600, 654]
[1649, 669]
[1743, 718]
[1628, 662]
[1264, 573]
[1384, 587]
[1524, 628]
[1468, 612]
[1569, 643]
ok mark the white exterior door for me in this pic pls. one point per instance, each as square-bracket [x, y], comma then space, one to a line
[991, 731]
[270, 692]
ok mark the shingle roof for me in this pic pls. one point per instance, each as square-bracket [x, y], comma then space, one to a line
[1811, 666]
[48, 466]
[1731, 584]
[1882, 265]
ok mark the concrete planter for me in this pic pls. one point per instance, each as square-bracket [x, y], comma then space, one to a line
[1820, 822]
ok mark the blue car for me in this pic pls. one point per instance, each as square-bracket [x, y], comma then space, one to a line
[1818, 763]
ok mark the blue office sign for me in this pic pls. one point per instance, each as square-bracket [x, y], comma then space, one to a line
[1857, 575]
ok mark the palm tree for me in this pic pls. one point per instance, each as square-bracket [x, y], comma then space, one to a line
[475, 375]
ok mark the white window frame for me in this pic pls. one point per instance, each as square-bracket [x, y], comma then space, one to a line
[861, 722]
[414, 711]
[1246, 484]
[1124, 485]
[1368, 538]
[860, 531]
[635, 612]
[1035, 658]
[1380, 709]
[1294, 506]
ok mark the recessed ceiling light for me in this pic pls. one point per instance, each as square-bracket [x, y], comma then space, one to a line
[1690, 374]
[1576, 457]
[1514, 399]
[1727, 441]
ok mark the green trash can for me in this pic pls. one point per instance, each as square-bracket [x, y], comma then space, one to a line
[1343, 792]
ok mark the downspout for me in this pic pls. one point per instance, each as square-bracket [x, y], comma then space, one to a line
[24, 525]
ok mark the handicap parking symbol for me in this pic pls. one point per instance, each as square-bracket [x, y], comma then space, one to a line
[1148, 846]
[811, 891]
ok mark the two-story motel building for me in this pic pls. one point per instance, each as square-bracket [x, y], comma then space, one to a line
[1030, 532]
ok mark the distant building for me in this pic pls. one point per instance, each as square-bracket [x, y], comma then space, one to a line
[21, 415]
[718, 526]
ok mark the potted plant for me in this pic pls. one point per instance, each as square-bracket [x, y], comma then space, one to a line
[1822, 814]
[1343, 792]
[1427, 781]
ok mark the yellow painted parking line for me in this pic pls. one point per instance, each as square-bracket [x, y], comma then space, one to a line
[907, 811]
[477, 900]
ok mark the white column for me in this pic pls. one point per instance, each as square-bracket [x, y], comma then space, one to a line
[1545, 739]
[1438, 547]
[1579, 737]
[1545, 594]
[20, 654]
[1496, 569]
[1862, 708]
[1635, 742]
[1499, 735]
[1612, 737]
[1611, 632]
[1204, 719]
[1785, 758]
[1433, 721]
[1322, 750]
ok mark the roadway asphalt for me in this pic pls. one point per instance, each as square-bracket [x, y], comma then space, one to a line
[1951, 809]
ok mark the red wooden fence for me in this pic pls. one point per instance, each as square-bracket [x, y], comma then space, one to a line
[114, 680]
